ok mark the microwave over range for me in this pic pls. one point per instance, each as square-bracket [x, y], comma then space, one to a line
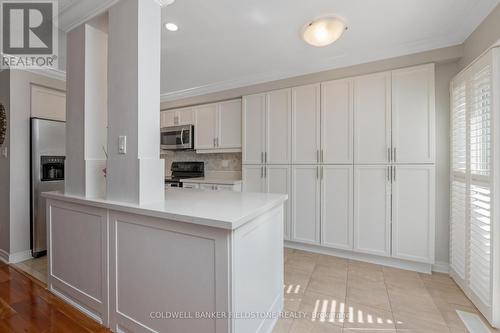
[177, 137]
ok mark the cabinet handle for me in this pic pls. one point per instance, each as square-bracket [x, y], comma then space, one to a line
[394, 155]
[394, 174]
[265, 157]
[317, 155]
[389, 154]
[265, 172]
[388, 173]
[317, 172]
[261, 172]
[322, 156]
[217, 140]
[322, 171]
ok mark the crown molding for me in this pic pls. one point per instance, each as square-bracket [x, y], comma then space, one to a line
[72, 16]
[48, 72]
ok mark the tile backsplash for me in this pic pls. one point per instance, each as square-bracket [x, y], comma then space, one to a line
[213, 162]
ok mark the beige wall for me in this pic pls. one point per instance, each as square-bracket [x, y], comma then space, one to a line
[485, 35]
[5, 166]
[20, 104]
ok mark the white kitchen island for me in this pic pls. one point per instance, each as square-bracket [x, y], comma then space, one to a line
[198, 262]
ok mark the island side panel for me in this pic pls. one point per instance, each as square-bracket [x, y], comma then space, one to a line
[160, 269]
[78, 256]
[257, 274]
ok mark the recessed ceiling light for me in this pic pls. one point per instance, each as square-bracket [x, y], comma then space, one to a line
[324, 31]
[171, 27]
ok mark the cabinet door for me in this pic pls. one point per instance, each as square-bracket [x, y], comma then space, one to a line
[306, 124]
[372, 204]
[279, 127]
[205, 126]
[372, 118]
[413, 213]
[168, 118]
[185, 116]
[306, 204]
[337, 122]
[278, 180]
[254, 133]
[229, 129]
[413, 115]
[253, 178]
[337, 206]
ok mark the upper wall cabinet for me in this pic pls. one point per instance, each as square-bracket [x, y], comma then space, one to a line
[306, 141]
[218, 127]
[372, 119]
[177, 117]
[48, 103]
[413, 115]
[337, 122]
[267, 124]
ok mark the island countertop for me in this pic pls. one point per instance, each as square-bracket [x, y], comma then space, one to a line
[219, 209]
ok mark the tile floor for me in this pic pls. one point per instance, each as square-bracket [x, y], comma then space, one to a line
[329, 294]
[36, 267]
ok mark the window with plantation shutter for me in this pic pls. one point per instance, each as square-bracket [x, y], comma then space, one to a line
[471, 185]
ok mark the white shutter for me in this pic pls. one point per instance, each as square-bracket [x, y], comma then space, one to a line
[479, 114]
[458, 189]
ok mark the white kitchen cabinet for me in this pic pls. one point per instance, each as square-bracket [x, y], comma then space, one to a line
[253, 178]
[372, 119]
[337, 206]
[278, 127]
[218, 127]
[254, 129]
[167, 118]
[278, 180]
[413, 212]
[229, 125]
[413, 115]
[306, 204]
[337, 122]
[177, 117]
[267, 124]
[306, 124]
[372, 209]
[205, 127]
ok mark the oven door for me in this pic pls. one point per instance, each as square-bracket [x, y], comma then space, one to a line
[176, 138]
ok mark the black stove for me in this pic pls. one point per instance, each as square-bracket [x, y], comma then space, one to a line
[183, 170]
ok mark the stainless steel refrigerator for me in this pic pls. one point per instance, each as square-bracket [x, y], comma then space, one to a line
[48, 151]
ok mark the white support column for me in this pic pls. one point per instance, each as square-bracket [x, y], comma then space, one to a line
[137, 175]
[86, 110]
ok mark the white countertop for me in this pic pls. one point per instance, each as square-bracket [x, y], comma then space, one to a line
[214, 179]
[219, 209]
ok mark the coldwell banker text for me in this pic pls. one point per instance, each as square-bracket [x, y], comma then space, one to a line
[29, 37]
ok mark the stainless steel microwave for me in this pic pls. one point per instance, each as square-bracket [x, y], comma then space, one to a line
[177, 137]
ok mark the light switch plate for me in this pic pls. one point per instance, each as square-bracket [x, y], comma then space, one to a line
[122, 144]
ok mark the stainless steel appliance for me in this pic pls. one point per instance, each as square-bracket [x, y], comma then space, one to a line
[183, 170]
[177, 137]
[48, 150]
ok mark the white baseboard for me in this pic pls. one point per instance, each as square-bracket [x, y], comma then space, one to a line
[4, 256]
[14, 258]
[441, 267]
[373, 259]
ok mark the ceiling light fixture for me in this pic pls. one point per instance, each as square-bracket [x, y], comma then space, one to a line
[324, 31]
[171, 27]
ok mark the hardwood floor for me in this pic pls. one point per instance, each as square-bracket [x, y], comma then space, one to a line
[26, 306]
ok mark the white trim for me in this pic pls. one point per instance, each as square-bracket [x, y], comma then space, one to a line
[79, 18]
[473, 322]
[48, 72]
[17, 257]
[373, 259]
[441, 267]
[4, 256]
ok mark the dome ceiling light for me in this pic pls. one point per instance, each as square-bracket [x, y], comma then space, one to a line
[324, 31]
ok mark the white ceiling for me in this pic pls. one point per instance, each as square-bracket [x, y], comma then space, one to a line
[224, 44]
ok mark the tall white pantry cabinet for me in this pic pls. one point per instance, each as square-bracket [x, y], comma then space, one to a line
[356, 157]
